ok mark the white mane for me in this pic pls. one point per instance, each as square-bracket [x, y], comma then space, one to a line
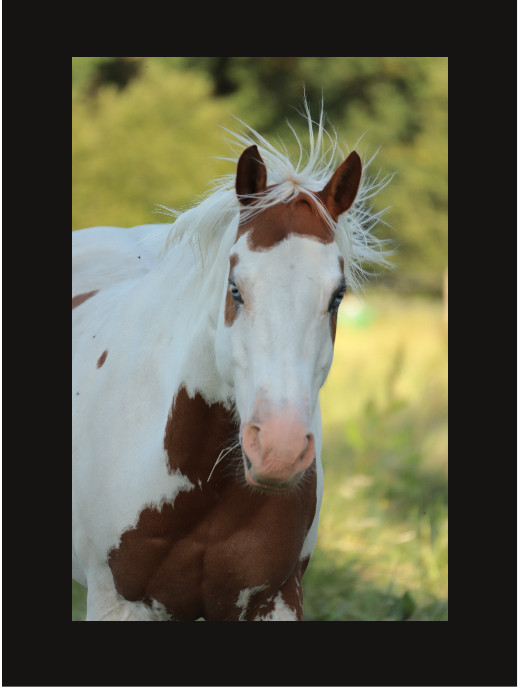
[205, 224]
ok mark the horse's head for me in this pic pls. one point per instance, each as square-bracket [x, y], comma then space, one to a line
[277, 321]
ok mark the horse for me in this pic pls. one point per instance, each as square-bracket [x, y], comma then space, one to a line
[199, 349]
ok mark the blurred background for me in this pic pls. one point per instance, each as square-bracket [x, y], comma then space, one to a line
[148, 131]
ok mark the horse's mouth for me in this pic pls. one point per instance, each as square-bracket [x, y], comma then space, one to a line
[263, 485]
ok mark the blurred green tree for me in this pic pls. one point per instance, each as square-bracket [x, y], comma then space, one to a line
[153, 142]
[144, 137]
[396, 103]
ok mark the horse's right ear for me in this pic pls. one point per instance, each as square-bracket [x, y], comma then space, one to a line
[251, 175]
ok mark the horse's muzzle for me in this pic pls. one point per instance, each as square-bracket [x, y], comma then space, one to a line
[276, 453]
[263, 484]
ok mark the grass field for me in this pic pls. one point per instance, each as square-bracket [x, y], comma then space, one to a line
[382, 550]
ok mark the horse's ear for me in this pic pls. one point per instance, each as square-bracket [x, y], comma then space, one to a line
[251, 175]
[340, 191]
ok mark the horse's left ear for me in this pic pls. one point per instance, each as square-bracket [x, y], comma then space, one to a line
[251, 175]
[340, 191]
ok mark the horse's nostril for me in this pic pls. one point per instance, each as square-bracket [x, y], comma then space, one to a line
[248, 464]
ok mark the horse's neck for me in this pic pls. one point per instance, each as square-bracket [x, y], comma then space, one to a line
[184, 306]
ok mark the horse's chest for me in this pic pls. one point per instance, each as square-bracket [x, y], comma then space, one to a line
[200, 555]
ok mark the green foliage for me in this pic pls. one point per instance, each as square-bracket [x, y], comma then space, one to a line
[154, 138]
[78, 602]
[151, 143]
[396, 103]
[83, 69]
[150, 139]
[382, 548]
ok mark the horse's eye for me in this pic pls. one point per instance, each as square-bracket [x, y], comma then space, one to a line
[336, 299]
[234, 291]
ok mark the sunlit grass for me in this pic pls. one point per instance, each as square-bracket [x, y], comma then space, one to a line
[78, 602]
[382, 550]
[382, 544]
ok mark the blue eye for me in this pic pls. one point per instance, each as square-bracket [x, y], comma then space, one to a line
[336, 299]
[234, 292]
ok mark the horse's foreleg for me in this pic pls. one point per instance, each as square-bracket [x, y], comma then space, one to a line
[103, 602]
[287, 604]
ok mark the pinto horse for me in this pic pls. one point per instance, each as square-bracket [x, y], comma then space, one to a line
[199, 350]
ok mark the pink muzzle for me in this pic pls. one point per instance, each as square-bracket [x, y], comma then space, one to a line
[277, 451]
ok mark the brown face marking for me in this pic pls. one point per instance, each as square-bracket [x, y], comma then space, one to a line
[81, 298]
[196, 555]
[102, 358]
[231, 307]
[273, 225]
[334, 315]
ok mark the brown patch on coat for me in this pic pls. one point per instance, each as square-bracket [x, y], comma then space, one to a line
[196, 554]
[81, 298]
[195, 431]
[299, 216]
[290, 591]
[304, 563]
[231, 307]
[102, 358]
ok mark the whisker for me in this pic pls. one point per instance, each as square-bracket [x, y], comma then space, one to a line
[221, 456]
